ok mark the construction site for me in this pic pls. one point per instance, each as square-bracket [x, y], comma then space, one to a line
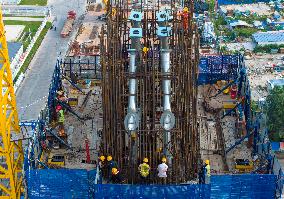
[133, 85]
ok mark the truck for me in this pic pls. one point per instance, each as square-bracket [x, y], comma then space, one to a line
[67, 28]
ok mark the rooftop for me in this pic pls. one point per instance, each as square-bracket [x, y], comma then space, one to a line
[276, 82]
[270, 36]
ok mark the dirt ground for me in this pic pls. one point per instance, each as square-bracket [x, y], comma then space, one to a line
[259, 8]
[259, 71]
[210, 146]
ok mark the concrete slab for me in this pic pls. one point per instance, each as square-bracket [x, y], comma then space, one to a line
[13, 32]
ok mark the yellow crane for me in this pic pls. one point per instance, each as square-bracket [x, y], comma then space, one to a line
[11, 152]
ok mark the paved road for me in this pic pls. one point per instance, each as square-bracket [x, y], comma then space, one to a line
[31, 95]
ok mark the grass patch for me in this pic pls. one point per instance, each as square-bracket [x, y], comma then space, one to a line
[34, 2]
[30, 26]
[33, 50]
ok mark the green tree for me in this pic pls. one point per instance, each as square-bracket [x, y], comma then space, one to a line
[211, 5]
[275, 112]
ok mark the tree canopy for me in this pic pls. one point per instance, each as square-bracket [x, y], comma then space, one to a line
[275, 112]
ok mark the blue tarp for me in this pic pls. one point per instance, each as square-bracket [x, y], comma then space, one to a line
[228, 2]
[275, 146]
[78, 184]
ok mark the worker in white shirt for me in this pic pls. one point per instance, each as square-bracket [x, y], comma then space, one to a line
[162, 171]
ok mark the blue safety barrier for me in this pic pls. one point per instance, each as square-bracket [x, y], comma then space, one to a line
[218, 67]
[57, 184]
[79, 184]
[53, 88]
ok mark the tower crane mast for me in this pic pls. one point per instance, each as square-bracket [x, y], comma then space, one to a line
[11, 152]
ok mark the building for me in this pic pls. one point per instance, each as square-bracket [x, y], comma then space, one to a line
[239, 24]
[274, 82]
[270, 37]
[228, 2]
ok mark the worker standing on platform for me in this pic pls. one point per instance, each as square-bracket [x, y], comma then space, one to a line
[185, 18]
[162, 169]
[102, 165]
[116, 176]
[208, 172]
[144, 170]
[61, 119]
[110, 165]
[202, 173]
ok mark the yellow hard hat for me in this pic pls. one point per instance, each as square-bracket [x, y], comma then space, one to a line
[114, 171]
[207, 162]
[145, 49]
[185, 9]
[145, 160]
[102, 158]
[109, 158]
[164, 160]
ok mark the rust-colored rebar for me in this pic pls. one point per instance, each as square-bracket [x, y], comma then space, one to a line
[130, 149]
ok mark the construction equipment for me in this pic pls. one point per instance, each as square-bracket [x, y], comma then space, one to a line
[11, 153]
[56, 160]
[67, 28]
[243, 165]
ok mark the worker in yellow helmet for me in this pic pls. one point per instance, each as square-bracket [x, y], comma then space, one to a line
[116, 176]
[207, 172]
[185, 9]
[144, 170]
[110, 165]
[102, 166]
[145, 49]
[162, 171]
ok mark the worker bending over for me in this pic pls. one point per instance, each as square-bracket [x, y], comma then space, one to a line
[144, 170]
[208, 173]
[162, 171]
[110, 165]
[116, 176]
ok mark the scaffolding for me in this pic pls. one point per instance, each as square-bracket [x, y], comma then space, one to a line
[149, 61]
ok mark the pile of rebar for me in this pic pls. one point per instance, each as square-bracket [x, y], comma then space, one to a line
[179, 144]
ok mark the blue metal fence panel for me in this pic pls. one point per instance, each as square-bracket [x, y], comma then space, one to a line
[243, 186]
[192, 191]
[57, 184]
[228, 2]
[67, 184]
[218, 67]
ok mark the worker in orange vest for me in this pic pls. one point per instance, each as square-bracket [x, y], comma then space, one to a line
[185, 18]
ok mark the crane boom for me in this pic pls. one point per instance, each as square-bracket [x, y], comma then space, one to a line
[11, 152]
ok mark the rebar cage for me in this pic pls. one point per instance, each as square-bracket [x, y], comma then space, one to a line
[180, 145]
